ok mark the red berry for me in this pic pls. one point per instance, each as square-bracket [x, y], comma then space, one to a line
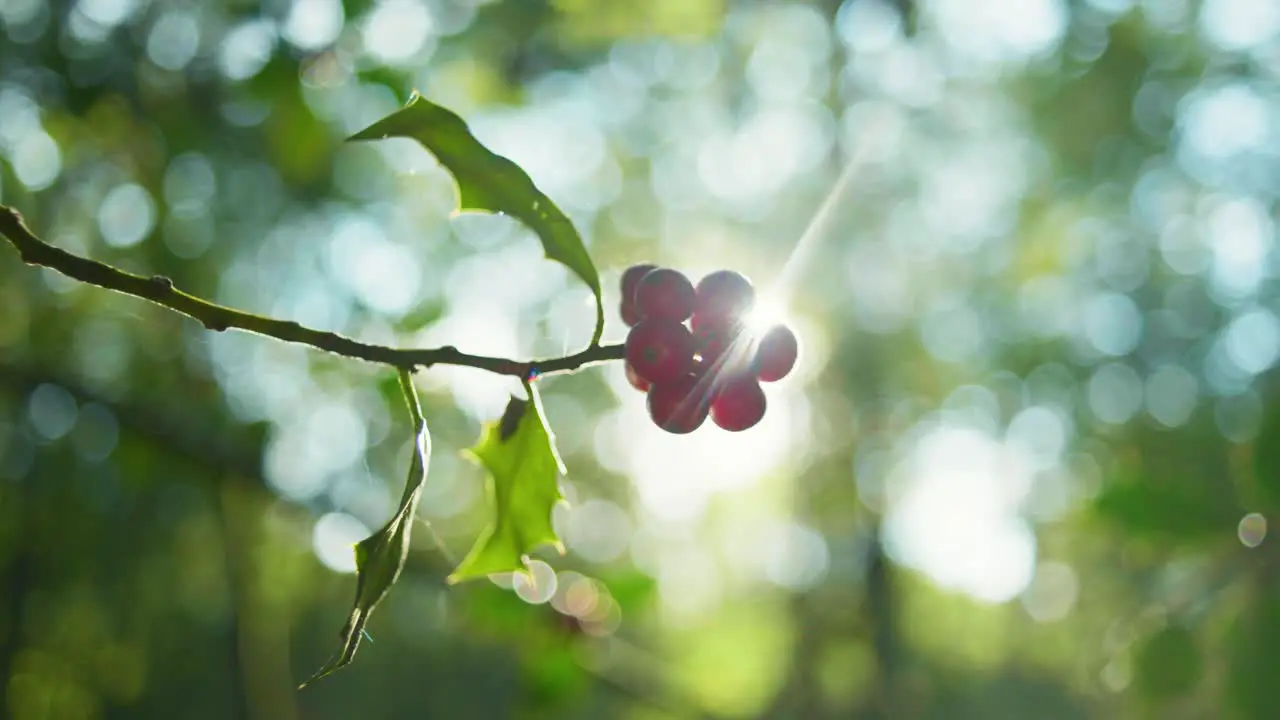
[701, 369]
[739, 404]
[720, 362]
[723, 295]
[776, 354]
[678, 407]
[634, 378]
[630, 315]
[665, 293]
[659, 350]
[709, 377]
[630, 279]
[712, 339]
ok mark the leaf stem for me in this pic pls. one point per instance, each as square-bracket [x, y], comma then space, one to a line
[411, 399]
[421, 438]
[599, 331]
[161, 291]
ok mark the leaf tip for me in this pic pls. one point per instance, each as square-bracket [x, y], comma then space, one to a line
[305, 683]
[328, 669]
[459, 575]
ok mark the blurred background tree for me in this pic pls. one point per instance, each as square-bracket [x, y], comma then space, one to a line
[1026, 467]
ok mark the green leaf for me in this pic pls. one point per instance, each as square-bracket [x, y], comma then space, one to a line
[380, 557]
[519, 452]
[490, 182]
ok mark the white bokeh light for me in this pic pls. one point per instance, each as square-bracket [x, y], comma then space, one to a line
[1011, 31]
[975, 191]
[107, 12]
[52, 411]
[558, 144]
[126, 216]
[334, 538]
[1252, 340]
[481, 329]
[537, 585]
[174, 40]
[1112, 323]
[36, 160]
[881, 290]
[793, 556]
[1039, 435]
[598, 530]
[313, 24]
[1240, 233]
[1052, 593]
[1115, 393]
[1171, 395]
[383, 274]
[1252, 530]
[1218, 122]
[246, 48]
[868, 25]
[957, 519]
[304, 452]
[1239, 24]
[396, 30]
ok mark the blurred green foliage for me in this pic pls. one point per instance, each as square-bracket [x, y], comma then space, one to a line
[1025, 469]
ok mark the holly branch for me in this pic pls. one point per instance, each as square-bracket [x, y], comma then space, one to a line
[519, 451]
[161, 291]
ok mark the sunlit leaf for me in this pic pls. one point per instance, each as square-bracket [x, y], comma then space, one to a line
[380, 557]
[1168, 663]
[520, 454]
[490, 182]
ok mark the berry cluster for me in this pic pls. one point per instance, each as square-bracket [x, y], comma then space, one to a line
[711, 366]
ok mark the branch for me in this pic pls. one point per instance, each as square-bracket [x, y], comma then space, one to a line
[160, 290]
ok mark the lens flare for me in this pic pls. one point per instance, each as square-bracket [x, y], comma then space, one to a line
[768, 312]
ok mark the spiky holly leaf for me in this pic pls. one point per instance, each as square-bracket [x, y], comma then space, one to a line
[490, 182]
[380, 557]
[519, 451]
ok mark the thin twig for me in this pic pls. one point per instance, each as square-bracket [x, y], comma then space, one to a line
[160, 290]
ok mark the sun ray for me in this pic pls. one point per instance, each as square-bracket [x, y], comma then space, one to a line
[819, 225]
